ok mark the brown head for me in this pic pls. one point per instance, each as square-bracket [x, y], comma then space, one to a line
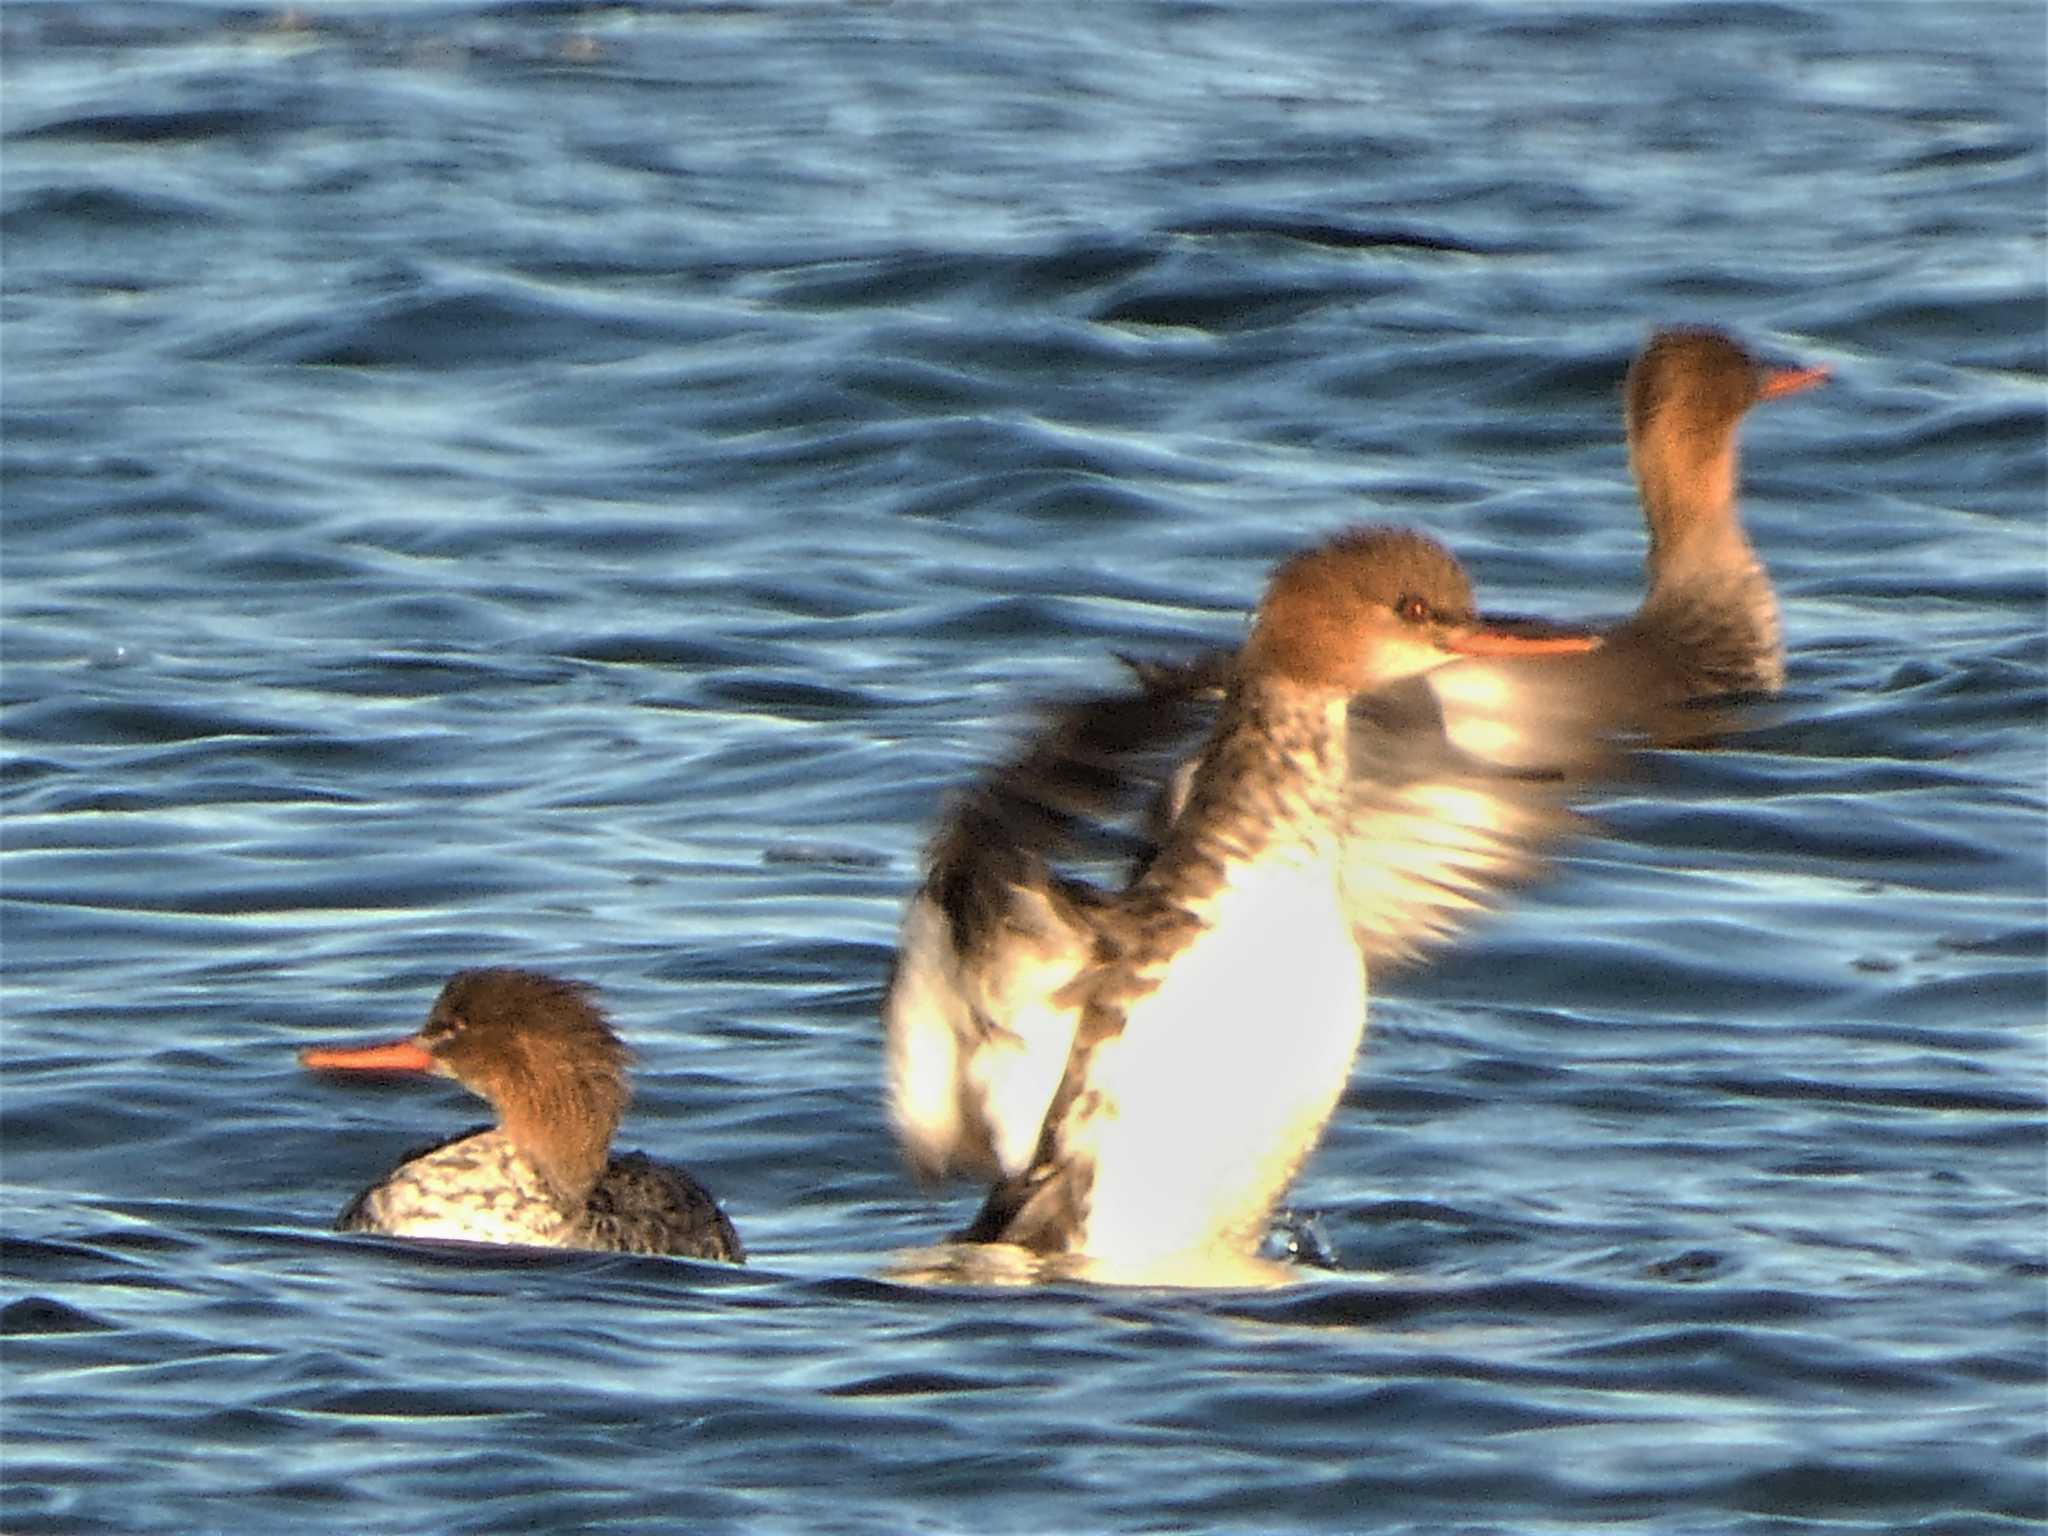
[538, 1048]
[1370, 607]
[1685, 395]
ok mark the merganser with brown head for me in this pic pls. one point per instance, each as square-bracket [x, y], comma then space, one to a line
[1683, 401]
[1144, 1071]
[1707, 629]
[541, 1051]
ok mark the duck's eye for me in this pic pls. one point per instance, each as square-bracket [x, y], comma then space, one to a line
[1414, 610]
[443, 1026]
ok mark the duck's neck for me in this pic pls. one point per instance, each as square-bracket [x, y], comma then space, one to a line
[1271, 783]
[1688, 487]
[564, 1127]
[1700, 559]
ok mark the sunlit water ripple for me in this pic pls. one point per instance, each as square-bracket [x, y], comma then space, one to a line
[573, 487]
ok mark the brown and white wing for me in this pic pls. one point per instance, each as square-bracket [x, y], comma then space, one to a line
[977, 1020]
[1435, 832]
[1665, 676]
[977, 1037]
[1434, 835]
[1462, 780]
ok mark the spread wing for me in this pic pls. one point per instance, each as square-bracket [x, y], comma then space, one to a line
[977, 1020]
[1435, 835]
[1444, 817]
[1462, 780]
[1671, 674]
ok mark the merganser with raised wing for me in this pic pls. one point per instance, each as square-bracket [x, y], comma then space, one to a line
[1143, 1071]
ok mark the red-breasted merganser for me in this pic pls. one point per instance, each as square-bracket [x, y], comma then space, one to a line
[1143, 1072]
[1685, 397]
[540, 1050]
[1707, 628]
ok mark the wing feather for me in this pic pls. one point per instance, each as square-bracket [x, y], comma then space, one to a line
[1462, 781]
[977, 1018]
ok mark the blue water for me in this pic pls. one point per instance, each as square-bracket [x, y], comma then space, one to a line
[574, 487]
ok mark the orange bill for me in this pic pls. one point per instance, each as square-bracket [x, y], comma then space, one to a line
[1789, 381]
[406, 1055]
[1487, 640]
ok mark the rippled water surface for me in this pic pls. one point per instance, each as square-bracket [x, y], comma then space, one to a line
[573, 487]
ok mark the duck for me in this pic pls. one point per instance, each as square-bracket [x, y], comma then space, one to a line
[541, 1051]
[1140, 1070]
[1705, 641]
[1683, 402]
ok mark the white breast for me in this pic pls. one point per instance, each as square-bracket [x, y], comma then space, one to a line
[1223, 1077]
[480, 1190]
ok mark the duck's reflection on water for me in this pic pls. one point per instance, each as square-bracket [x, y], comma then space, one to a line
[1005, 1264]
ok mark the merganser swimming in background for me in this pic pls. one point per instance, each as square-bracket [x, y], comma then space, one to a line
[1143, 1072]
[540, 1050]
[1684, 398]
[1707, 629]
[1709, 614]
